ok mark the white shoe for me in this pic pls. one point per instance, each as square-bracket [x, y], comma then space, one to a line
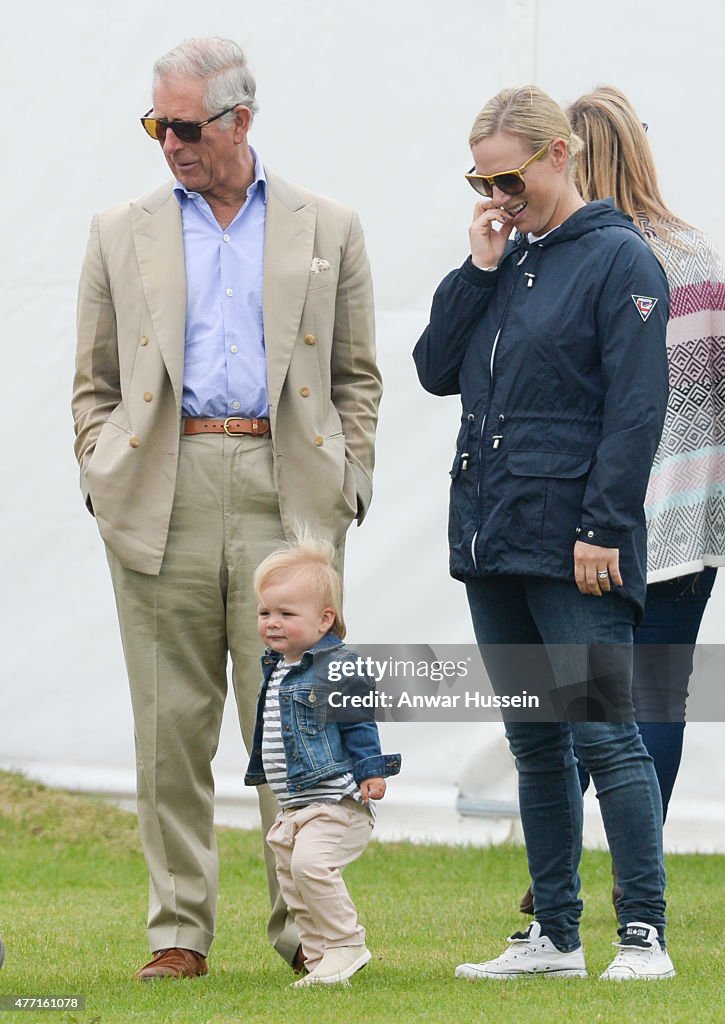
[640, 956]
[530, 953]
[337, 965]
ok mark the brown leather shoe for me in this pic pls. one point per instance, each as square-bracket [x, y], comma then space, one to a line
[526, 905]
[173, 963]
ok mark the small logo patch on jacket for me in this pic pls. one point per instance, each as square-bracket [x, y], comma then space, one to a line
[645, 304]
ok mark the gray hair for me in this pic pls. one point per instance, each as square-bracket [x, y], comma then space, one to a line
[221, 62]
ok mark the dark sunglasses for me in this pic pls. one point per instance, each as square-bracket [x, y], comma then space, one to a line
[510, 182]
[185, 131]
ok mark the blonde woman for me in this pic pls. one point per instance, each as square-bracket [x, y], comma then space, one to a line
[553, 334]
[685, 503]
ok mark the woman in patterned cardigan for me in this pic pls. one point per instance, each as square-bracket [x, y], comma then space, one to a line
[685, 504]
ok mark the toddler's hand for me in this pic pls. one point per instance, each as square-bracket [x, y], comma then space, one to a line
[372, 789]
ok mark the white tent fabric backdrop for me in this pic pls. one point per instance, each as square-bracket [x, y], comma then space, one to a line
[370, 104]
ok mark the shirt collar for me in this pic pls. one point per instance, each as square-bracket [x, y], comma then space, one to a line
[182, 193]
[538, 238]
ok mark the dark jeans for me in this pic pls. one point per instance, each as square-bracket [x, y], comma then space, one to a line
[513, 617]
[663, 652]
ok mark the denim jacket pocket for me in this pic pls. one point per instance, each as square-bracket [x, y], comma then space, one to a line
[310, 711]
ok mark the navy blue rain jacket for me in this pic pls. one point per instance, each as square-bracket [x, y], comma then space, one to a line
[559, 357]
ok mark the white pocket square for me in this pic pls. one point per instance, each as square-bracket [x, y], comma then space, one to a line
[318, 265]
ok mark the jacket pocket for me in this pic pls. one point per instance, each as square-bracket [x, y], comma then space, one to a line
[548, 489]
[309, 711]
[560, 465]
[110, 453]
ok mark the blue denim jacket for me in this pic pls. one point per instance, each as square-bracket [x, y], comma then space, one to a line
[321, 741]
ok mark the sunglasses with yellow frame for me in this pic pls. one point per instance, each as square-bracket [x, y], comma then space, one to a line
[510, 182]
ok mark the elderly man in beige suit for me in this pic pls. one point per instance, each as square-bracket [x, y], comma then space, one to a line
[225, 391]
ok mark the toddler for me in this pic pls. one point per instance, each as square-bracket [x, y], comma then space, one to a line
[324, 765]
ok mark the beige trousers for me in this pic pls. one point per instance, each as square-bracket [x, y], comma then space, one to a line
[312, 845]
[178, 630]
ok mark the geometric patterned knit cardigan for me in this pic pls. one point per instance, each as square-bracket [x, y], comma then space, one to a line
[685, 504]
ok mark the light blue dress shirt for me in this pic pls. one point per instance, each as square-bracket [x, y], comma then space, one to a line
[225, 372]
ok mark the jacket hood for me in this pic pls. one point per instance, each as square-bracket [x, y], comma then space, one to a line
[600, 214]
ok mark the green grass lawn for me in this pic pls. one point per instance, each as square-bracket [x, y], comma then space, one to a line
[73, 903]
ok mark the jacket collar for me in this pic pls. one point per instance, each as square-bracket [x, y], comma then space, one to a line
[597, 214]
[329, 642]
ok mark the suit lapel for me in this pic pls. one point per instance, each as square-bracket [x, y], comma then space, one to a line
[158, 237]
[288, 246]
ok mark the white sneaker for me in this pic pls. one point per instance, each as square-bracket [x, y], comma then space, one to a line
[530, 953]
[640, 956]
[337, 965]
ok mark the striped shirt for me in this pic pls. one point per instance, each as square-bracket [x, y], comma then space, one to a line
[275, 764]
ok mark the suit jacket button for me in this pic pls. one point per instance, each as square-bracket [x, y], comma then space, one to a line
[144, 340]
[134, 441]
[310, 339]
[147, 396]
[319, 440]
[304, 392]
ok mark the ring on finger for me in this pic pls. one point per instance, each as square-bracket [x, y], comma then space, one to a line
[602, 573]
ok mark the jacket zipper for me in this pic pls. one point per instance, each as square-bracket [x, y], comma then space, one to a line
[497, 438]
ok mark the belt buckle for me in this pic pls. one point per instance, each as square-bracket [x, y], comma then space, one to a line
[227, 431]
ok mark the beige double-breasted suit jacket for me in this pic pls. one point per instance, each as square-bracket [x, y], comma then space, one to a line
[323, 383]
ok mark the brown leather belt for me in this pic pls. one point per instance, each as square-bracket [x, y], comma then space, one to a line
[231, 426]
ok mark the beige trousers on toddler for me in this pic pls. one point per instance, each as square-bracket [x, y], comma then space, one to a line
[312, 845]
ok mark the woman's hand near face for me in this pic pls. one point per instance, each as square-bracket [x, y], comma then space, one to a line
[488, 244]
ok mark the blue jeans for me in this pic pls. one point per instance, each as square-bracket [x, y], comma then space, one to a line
[664, 645]
[513, 617]
[672, 615]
